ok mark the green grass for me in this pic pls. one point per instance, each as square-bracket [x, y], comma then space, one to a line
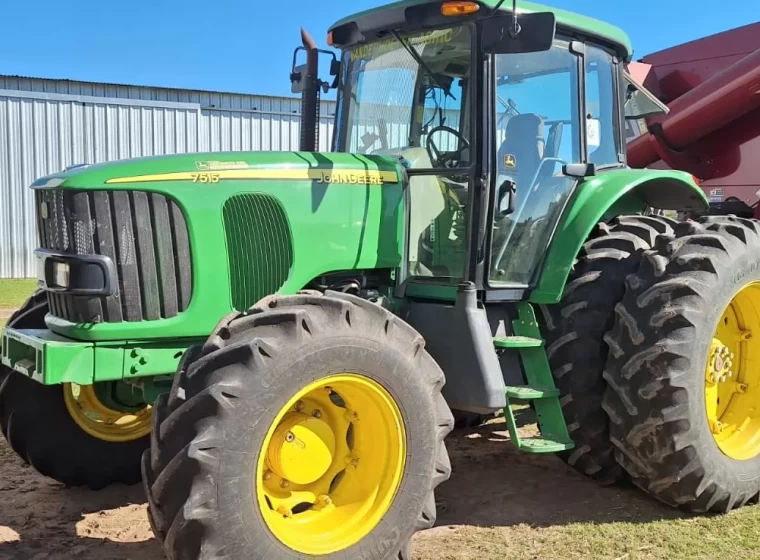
[735, 536]
[13, 293]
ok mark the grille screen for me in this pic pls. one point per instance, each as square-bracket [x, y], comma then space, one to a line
[144, 234]
[259, 247]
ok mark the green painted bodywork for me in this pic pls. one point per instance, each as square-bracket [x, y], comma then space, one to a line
[48, 358]
[51, 359]
[334, 226]
[589, 26]
[601, 198]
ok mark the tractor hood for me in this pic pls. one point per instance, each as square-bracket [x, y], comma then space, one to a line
[205, 168]
[185, 239]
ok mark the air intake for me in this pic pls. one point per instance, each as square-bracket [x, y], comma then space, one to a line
[259, 247]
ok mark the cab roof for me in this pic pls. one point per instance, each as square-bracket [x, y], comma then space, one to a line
[587, 26]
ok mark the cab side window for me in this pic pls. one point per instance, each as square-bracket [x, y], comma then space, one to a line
[602, 139]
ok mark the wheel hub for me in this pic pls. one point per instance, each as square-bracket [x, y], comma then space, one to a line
[720, 363]
[331, 464]
[302, 448]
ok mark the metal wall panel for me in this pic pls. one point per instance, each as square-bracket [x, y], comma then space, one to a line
[48, 125]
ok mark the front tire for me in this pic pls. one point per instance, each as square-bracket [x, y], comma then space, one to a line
[684, 418]
[242, 466]
[39, 427]
[39, 424]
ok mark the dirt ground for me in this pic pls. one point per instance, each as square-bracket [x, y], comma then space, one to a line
[495, 506]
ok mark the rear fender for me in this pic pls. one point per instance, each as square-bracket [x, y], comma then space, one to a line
[600, 199]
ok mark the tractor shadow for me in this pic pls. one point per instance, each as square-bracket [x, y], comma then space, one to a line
[494, 485]
[42, 519]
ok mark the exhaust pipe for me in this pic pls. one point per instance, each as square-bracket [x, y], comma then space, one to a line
[310, 96]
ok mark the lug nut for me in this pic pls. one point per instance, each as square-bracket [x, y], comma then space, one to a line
[267, 475]
[284, 483]
[299, 406]
[352, 460]
[290, 437]
[317, 414]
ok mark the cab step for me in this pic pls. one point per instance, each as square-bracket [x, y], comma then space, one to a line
[540, 444]
[540, 388]
[527, 393]
[517, 342]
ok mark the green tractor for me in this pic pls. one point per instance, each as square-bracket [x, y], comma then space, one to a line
[274, 342]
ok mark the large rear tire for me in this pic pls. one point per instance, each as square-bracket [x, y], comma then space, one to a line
[40, 424]
[575, 329]
[292, 412]
[685, 419]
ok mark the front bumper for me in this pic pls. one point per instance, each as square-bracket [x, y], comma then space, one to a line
[46, 357]
[52, 359]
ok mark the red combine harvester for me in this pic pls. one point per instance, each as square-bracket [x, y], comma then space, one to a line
[712, 87]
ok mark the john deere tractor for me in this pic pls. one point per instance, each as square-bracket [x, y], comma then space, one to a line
[273, 342]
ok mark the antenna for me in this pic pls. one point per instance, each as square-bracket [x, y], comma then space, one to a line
[515, 25]
[515, 31]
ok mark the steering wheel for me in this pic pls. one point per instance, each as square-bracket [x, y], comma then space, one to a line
[446, 159]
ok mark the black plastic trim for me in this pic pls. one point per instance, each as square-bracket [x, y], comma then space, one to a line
[83, 273]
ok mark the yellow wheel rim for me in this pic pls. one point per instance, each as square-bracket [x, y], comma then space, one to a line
[732, 377]
[331, 464]
[102, 422]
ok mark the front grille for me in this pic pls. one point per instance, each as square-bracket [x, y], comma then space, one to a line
[144, 234]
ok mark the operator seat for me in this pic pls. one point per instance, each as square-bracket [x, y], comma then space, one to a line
[521, 152]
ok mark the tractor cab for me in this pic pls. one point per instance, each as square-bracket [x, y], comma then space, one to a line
[495, 129]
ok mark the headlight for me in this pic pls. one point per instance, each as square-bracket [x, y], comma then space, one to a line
[79, 275]
[61, 273]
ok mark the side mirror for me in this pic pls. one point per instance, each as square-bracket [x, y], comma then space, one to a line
[534, 33]
[298, 79]
[579, 170]
[299, 73]
[506, 200]
[334, 67]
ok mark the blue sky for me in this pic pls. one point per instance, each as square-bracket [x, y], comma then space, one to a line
[246, 45]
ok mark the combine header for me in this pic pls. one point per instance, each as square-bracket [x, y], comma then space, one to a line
[713, 128]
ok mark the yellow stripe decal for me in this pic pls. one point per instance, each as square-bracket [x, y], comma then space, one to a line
[341, 176]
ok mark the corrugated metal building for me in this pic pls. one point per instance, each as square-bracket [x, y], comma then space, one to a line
[48, 125]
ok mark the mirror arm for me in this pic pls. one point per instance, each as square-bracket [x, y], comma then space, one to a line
[515, 25]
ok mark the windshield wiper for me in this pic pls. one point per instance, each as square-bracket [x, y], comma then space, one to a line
[418, 59]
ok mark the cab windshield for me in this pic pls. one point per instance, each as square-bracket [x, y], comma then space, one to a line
[407, 96]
